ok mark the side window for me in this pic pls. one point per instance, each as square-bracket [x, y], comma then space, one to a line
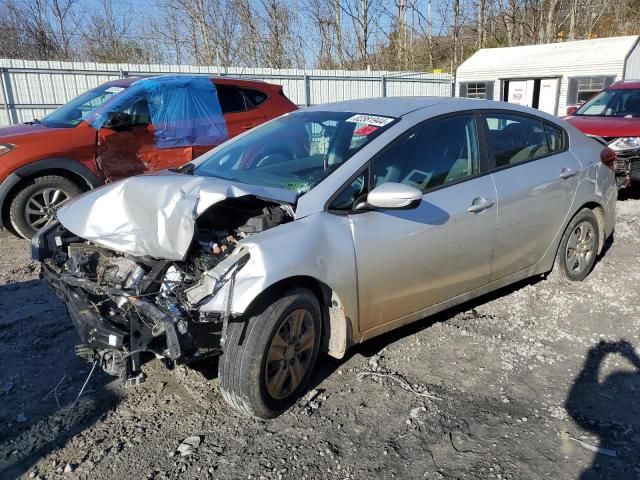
[256, 97]
[515, 139]
[555, 138]
[138, 108]
[231, 99]
[436, 153]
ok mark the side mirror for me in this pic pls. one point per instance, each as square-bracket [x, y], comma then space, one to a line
[118, 121]
[393, 195]
[571, 110]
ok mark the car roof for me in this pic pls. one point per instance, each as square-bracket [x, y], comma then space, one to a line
[625, 84]
[401, 106]
[217, 79]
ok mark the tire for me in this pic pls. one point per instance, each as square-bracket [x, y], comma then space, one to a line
[578, 247]
[48, 191]
[251, 366]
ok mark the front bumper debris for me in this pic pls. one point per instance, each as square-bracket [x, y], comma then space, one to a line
[125, 306]
[628, 167]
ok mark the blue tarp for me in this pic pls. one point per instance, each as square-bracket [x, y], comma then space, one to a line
[184, 111]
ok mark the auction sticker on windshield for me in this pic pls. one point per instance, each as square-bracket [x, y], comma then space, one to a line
[370, 120]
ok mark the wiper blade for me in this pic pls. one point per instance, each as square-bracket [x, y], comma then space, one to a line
[186, 169]
[33, 122]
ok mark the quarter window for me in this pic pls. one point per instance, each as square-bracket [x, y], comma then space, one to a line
[515, 139]
[555, 138]
[255, 96]
[434, 154]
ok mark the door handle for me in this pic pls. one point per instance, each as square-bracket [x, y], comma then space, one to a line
[480, 204]
[567, 173]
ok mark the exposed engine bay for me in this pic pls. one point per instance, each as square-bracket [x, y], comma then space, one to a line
[124, 306]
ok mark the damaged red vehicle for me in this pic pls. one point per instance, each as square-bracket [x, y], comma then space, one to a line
[122, 128]
[613, 117]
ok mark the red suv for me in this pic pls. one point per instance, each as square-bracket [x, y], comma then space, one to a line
[122, 128]
[613, 115]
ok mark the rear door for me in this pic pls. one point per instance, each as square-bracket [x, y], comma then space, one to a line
[536, 179]
[408, 260]
[240, 114]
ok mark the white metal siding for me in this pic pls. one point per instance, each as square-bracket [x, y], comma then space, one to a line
[38, 87]
[592, 58]
[632, 71]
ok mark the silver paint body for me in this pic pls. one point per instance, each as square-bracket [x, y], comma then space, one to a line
[385, 268]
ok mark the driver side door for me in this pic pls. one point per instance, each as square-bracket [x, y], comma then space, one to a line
[412, 259]
[131, 149]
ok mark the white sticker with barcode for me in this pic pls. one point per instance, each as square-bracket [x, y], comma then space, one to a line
[370, 120]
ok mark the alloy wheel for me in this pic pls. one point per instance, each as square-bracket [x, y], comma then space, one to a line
[580, 248]
[290, 354]
[42, 205]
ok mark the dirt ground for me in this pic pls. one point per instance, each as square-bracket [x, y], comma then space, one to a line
[539, 380]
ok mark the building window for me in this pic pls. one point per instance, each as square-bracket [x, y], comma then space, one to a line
[582, 89]
[588, 87]
[477, 90]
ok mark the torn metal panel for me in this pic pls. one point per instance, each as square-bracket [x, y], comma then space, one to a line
[155, 214]
[319, 246]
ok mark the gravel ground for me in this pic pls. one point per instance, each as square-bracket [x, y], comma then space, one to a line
[539, 380]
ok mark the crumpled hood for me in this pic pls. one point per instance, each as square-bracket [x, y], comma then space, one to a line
[153, 214]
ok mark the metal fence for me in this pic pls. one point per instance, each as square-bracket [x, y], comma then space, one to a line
[32, 89]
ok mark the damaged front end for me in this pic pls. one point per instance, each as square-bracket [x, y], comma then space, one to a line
[125, 305]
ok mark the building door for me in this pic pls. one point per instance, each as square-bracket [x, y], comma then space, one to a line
[548, 99]
[540, 93]
[521, 92]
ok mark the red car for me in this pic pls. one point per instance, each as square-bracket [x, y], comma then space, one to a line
[613, 115]
[122, 128]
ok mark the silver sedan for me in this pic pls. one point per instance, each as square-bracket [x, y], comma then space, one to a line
[322, 229]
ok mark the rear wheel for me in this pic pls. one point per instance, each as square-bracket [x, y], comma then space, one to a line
[36, 203]
[268, 359]
[579, 247]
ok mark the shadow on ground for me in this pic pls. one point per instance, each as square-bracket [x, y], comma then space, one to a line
[36, 354]
[609, 409]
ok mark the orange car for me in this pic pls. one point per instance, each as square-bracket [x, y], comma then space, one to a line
[122, 128]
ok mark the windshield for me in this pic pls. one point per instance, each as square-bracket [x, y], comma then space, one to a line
[296, 151]
[613, 103]
[72, 113]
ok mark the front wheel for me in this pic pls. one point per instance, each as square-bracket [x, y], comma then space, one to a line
[36, 202]
[579, 247]
[268, 359]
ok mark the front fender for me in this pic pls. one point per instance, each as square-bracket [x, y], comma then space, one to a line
[34, 168]
[319, 246]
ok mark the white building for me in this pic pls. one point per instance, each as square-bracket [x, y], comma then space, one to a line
[549, 77]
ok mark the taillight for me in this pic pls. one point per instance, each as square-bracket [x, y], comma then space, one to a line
[608, 157]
